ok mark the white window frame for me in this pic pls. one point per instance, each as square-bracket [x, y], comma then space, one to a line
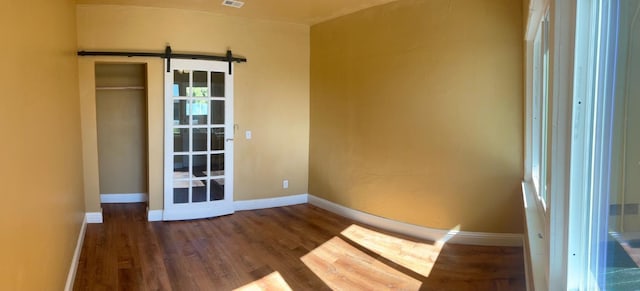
[596, 43]
[535, 208]
[546, 202]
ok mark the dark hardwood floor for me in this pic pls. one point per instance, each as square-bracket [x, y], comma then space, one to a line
[299, 247]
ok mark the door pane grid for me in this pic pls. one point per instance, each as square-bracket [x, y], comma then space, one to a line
[202, 135]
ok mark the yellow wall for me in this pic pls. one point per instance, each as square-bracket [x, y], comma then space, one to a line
[271, 89]
[417, 113]
[40, 169]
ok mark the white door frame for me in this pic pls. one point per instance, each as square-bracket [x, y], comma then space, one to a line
[195, 210]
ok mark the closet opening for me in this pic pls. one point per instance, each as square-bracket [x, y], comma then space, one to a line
[121, 118]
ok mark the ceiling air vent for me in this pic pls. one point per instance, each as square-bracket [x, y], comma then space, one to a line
[233, 3]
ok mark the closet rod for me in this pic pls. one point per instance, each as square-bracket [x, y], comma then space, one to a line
[168, 55]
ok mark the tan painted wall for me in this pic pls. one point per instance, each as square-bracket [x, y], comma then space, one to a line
[271, 89]
[40, 153]
[417, 113]
[121, 117]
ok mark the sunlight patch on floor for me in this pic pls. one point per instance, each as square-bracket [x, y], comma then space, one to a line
[273, 281]
[415, 256]
[343, 267]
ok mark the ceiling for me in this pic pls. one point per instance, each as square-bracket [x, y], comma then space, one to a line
[295, 11]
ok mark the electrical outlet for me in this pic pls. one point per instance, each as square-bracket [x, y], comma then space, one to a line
[247, 134]
[285, 184]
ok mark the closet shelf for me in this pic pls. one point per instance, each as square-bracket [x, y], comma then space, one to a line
[121, 88]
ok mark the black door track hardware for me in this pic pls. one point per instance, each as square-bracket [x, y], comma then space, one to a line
[168, 55]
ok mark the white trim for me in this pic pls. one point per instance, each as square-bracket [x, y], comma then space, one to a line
[432, 234]
[124, 198]
[535, 246]
[596, 43]
[562, 73]
[582, 237]
[536, 13]
[71, 277]
[528, 137]
[270, 202]
[184, 213]
[93, 217]
[155, 215]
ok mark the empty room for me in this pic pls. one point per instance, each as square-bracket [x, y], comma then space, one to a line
[319, 145]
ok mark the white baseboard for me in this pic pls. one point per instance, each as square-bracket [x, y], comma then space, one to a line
[180, 213]
[71, 277]
[432, 234]
[450, 236]
[154, 215]
[488, 239]
[93, 217]
[124, 198]
[270, 202]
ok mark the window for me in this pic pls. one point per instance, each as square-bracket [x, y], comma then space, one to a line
[602, 258]
[540, 110]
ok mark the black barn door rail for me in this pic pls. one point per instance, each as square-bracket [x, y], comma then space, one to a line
[168, 55]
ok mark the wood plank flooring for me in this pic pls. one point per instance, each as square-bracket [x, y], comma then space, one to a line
[297, 247]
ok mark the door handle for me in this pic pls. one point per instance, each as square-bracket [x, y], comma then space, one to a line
[229, 139]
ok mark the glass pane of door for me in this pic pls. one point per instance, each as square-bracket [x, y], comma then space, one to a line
[195, 138]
